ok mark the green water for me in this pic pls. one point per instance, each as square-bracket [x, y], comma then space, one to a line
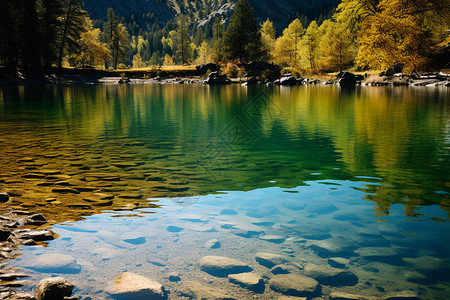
[368, 166]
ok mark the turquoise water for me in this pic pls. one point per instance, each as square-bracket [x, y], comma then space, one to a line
[360, 175]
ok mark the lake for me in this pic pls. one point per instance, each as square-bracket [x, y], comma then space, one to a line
[346, 186]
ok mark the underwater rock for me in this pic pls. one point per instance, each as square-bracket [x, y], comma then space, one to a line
[196, 290]
[246, 230]
[292, 298]
[346, 296]
[55, 288]
[269, 260]
[174, 277]
[250, 281]
[330, 276]
[273, 238]
[404, 295]
[213, 244]
[222, 266]
[331, 247]
[129, 286]
[295, 285]
[54, 263]
[283, 269]
[380, 254]
[426, 264]
[65, 191]
[338, 262]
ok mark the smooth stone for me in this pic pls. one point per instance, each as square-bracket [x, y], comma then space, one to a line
[130, 286]
[405, 295]
[222, 266]
[37, 235]
[331, 247]
[196, 290]
[55, 288]
[329, 275]
[4, 197]
[36, 219]
[213, 244]
[292, 298]
[54, 263]
[269, 260]
[426, 264]
[347, 296]
[381, 254]
[246, 230]
[136, 241]
[273, 238]
[174, 229]
[283, 269]
[104, 196]
[249, 281]
[338, 262]
[295, 285]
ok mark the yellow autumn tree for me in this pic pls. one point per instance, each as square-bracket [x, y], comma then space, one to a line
[268, 34]
[395, 32]
[92, 52]
[309, 45]
[287, 46]
[336, 49]
[168, 61]
[203, 53]
[137, 61]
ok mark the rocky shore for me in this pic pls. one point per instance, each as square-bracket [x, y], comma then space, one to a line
[215, 78]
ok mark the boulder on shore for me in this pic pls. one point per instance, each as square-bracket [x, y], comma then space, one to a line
[217, 78]
[288, 80]
[55, 288]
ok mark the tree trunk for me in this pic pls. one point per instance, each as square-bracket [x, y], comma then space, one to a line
[63, 41]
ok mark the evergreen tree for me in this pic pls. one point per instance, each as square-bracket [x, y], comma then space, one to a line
[183, 40]
[242, 40]
[72, 27]
[218, 31]
[49, 12]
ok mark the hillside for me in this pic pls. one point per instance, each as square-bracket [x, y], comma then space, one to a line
[281, 12]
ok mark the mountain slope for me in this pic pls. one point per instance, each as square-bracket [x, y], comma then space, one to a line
[281, 12]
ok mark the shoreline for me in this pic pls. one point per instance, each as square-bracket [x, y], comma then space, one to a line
[107, 78]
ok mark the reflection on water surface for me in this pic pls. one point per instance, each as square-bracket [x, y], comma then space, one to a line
[312, 166]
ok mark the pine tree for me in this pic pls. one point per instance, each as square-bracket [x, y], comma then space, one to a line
[49, 12]
[119, 44]
[242, 40]
[217, 41]
[184, 40]
[71, 29]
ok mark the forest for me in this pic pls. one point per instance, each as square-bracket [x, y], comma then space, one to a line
[412, 35]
